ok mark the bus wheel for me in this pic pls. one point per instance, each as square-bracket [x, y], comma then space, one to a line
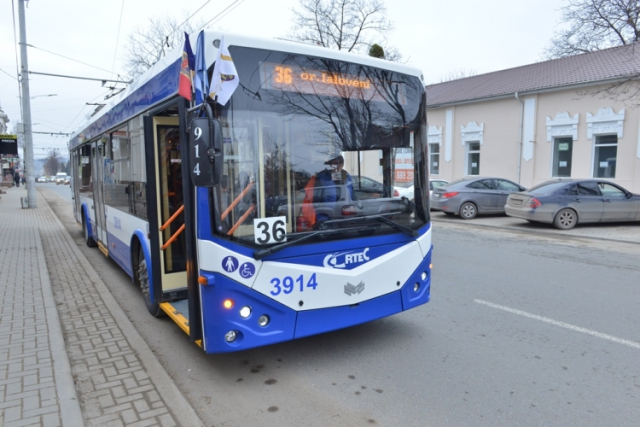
[143, 281]
[88, 239]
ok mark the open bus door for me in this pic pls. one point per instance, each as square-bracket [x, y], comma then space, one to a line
[170, 203]
[100, 229]
[172, 239]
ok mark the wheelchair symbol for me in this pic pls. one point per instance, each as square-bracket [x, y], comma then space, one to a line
[247, 270]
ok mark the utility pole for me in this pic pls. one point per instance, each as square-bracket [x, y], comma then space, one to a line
[29, 164]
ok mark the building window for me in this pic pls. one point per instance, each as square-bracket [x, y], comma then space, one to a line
[473, 158]
[562, 149]
[604, 156]
[434, 159]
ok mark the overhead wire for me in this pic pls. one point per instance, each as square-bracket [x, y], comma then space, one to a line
[70, 59]
[113, 65]
[222, 13]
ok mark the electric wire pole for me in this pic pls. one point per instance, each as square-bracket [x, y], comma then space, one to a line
[29, 164]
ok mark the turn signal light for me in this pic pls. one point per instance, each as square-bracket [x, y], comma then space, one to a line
[450, 194]
[534, 203]
[228, 303]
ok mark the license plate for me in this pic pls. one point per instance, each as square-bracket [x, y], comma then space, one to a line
[436, 196]
[516, 202]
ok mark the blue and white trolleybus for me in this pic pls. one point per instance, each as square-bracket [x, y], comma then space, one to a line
[270, 218]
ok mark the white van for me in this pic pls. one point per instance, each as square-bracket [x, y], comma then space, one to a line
[61, 178]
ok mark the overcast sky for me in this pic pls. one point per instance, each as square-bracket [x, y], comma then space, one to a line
[439, 37]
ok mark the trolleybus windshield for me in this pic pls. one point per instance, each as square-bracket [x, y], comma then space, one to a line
[288, 127]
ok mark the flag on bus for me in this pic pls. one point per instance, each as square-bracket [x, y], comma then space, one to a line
[186, 70]
[201, 81]
[225, 78]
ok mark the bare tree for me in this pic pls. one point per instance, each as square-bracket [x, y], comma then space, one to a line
[149, 43]
[460, 74]
[52, 163]
[595, 25]
[349, 25]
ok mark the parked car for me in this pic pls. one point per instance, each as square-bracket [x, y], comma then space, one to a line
[407, 189]
[41, 179]
[367, 188]
[404, 189]
[335, 202]
[565, 203]
[436, 183]
[471, 196]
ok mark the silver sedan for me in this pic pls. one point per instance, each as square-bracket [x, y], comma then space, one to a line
[471, 196]
[565, 203]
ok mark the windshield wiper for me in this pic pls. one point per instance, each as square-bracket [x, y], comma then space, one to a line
[381, 218]
[259, 254]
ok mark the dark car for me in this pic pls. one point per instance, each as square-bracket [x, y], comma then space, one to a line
[471, 196]
[565, 203]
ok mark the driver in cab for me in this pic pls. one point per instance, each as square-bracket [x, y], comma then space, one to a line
[329, 179]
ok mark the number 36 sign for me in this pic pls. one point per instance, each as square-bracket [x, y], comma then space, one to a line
[270, 230]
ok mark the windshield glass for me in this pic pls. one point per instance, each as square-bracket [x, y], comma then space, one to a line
[319, 144]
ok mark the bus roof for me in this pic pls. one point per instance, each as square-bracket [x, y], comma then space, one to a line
[160, 82]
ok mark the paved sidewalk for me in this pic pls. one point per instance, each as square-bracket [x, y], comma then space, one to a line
[68, 354]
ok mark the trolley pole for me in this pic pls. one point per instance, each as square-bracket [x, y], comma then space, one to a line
[29, 164]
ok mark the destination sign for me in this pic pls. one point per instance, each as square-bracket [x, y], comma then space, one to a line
[292, 78]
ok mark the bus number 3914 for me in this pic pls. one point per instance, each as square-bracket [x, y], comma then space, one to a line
[286, 285]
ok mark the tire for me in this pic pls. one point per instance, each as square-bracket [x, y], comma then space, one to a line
[565, 219]
[88, 239]
[468, 210]
[142, 279]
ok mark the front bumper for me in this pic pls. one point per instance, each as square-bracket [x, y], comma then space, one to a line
[285, 323]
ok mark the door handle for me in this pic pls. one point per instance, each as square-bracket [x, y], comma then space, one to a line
[606, 200]
[576, 200]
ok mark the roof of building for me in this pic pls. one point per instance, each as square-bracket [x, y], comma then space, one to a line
[607, 64]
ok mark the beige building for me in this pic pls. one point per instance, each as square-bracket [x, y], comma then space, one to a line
[572, 117]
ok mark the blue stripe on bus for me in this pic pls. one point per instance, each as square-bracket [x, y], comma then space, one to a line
[159, 88]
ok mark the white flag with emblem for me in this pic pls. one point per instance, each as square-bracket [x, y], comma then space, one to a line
[225, 77]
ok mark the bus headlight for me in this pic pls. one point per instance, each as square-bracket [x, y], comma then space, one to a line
[263, 320]
[416, 287]
[424, 276]
[245, 312]
[230, 336]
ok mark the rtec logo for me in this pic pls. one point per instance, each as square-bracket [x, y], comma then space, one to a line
[342, 259]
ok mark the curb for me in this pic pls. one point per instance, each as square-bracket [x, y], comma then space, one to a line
[70, 412]
[538, 232]
[170, 393]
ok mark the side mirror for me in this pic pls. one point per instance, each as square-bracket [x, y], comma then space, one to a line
[205, 152]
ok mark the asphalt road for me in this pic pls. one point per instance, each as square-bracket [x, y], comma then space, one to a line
[521, 330]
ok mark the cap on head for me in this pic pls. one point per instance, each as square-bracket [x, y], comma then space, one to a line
[335, 159]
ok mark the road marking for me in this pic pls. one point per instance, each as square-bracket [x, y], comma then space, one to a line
[628, 343]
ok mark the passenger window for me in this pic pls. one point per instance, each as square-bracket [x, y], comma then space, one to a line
[507, 185]
[588, 189]
[571, 191]
[610, 190]
[485, 184]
